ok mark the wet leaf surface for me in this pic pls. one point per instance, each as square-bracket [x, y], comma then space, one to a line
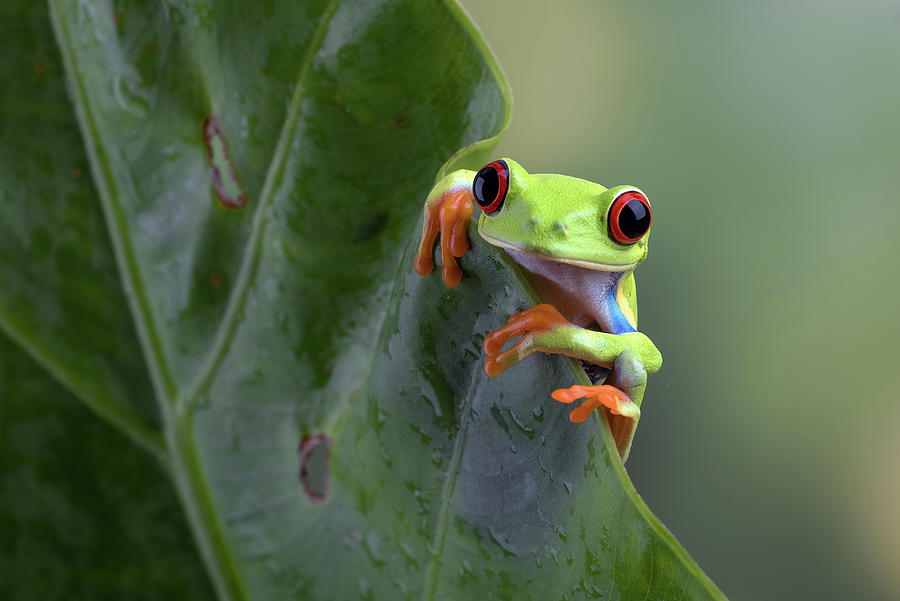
[258, 173]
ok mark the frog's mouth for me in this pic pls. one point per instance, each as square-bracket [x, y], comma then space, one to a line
[593, 265]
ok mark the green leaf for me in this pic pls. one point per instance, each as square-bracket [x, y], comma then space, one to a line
[321, 409]
[83, 513]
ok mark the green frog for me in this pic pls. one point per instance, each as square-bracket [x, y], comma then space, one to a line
[578, 244]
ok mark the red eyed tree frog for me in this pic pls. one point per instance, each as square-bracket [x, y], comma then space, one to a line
[577, 244]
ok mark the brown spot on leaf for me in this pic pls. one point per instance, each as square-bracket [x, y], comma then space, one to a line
[225, 182]
[76, 172]
[40, 66]
[215, 279]
[151, 47]
[400, 120]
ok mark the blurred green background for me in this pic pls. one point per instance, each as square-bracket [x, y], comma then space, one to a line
[767, 137]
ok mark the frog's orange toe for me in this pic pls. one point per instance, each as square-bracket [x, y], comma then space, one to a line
[581, 413]
[459, 241]
[451, 274]
[495, 365]
[423, 265]
[567, 395]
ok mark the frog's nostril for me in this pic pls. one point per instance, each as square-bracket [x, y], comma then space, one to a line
[560, 228]
[534, 222]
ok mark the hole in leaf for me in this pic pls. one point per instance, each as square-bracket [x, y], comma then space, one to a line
[224, 180]
[313, 452]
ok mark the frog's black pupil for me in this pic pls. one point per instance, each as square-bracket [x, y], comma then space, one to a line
[486, 186]
[634, 219]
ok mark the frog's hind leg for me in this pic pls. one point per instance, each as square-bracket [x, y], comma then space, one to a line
[542, 328]
[620, 398]
[621, 412]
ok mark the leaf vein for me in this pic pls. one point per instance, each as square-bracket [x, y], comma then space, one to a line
[252, 253]
[439, 537]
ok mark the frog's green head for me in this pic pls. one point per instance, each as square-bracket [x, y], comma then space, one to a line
[562, 218]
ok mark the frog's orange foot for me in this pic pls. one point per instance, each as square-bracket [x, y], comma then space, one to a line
[447, 215]
[527, 323]
[603, 395]
[622, 412]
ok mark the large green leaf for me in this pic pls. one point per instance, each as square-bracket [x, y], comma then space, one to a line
[261, 167]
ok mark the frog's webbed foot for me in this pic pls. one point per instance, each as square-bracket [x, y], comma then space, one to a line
[622, 412]
[543, 329]
[533, 325]
[447, 215]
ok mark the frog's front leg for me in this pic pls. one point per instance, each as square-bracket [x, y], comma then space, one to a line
[631, 356]
[447, 212]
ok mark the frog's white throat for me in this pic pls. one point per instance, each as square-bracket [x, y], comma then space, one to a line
[583, 295]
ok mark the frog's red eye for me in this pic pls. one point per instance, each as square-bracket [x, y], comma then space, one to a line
[490, 185]
[629, 217]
